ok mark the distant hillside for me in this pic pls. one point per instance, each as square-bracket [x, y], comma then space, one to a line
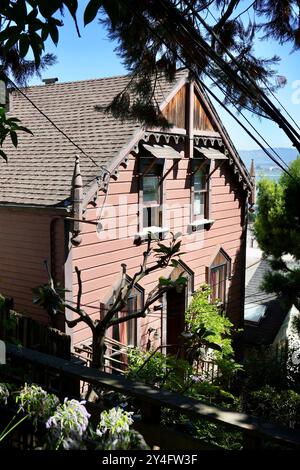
[262, 161]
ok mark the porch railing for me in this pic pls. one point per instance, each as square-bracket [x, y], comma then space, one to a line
[151, 400]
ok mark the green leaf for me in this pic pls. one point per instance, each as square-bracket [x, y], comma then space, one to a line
[48, 8]
[23, 45]
[53, 30]
[25, 129]
[163, 281]
[9, 32]
[14, 138]
[3, 155]
[91, 11]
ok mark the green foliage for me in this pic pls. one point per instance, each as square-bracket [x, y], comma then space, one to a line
[160, 370]
[277, 221]
[149, 45]
[277, 229]
[49, 298]
[68, 424]
[275, 405]
[9, 127]
[208, 325]
[36, 402]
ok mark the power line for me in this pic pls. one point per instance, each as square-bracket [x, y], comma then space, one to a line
[141, 17]
[232, 115]
[246, 119]
[263, 80]
[265, 98]
[55, 125]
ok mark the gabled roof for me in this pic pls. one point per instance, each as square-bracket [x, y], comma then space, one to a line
[39, 171]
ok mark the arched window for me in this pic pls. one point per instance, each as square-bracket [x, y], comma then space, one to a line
[127, 332]
[217, 275]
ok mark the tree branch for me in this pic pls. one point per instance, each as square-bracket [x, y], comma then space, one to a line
[142, 312]
[226, 15]
[79, 293]
[83, 316]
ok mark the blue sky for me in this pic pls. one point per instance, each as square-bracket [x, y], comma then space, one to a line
[93, 56]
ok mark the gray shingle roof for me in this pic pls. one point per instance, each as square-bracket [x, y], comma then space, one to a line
[39, 171]
[254, 292]
[266, 330]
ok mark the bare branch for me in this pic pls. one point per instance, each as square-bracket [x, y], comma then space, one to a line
[72, 323]
[79, 293]
[142, 312]
[84, 317]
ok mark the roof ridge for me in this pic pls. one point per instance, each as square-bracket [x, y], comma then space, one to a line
[43, 85]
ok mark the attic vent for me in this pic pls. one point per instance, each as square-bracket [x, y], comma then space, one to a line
[49, 81]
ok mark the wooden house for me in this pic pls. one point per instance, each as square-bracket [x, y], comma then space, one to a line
[188, 179]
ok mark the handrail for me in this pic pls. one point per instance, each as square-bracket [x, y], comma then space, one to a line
[157, 398]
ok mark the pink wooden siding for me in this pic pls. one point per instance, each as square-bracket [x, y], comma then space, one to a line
[100, 261]
[24, 245]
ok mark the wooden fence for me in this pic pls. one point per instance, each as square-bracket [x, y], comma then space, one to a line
[20, 329]
[255, 431]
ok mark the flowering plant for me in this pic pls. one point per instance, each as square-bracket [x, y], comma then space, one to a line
[4, 393]
[68, 424]
[36, 402]
[114, 430]
[114, 421]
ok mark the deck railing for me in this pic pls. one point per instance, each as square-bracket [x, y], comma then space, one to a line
[150, 401]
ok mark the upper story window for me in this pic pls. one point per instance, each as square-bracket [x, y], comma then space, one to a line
[200, 194]
[218, 274]
[199, 190]
[151, 196]
[152, 189]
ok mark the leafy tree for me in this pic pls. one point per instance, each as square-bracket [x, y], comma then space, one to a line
[214, 38]
[154, 259]
[277, 231]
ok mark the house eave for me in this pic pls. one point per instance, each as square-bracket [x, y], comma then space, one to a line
[35, 207]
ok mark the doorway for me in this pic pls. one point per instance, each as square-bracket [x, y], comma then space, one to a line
[176, 306]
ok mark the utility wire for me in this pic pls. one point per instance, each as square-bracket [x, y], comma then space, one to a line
[183, 61]
[241, 68]
[234, 117]
[55, 125]
[263, 80]
[227, 96]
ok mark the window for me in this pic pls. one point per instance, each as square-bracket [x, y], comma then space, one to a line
[131, 325]
[151, 177]
[127, 332]
[200, 195]
[218, 274]
[151, 201]
[199, 191]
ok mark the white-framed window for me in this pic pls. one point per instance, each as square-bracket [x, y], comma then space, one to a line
[200, 193]
[152, 197]
[151, 212]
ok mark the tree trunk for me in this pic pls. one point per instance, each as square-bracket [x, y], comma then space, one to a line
[98, 348]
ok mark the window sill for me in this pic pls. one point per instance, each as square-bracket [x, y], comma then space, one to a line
[156, 233]
[200, 223]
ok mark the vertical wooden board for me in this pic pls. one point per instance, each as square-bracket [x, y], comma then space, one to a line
[201, 119]
[175, 111]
